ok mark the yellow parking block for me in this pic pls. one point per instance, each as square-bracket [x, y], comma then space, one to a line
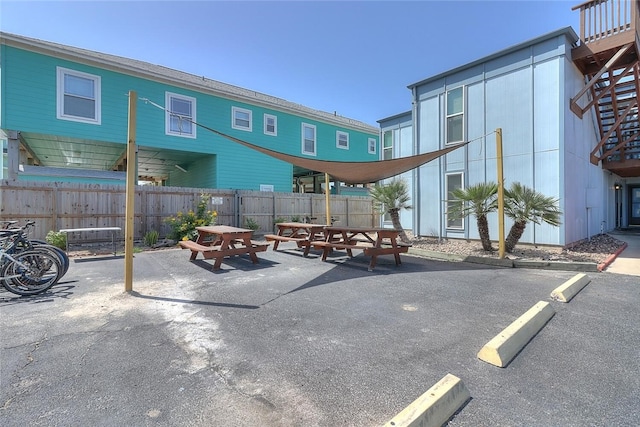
[570, 288]
[435, 406]
[504, 346]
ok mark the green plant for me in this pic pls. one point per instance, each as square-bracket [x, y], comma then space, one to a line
[523, 205]
[183, 225]
[481, 200]
[151, 238]
[279, 220]
[57, 239]
[392, 198]
[295, 218]
[251, 224]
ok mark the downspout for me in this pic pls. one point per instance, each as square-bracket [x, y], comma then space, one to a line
[416, 175]
[441, 200]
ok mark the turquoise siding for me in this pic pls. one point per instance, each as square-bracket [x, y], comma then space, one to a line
[29, 105]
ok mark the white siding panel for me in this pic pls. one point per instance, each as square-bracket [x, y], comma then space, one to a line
[406, 149]
[430, 199]
[508, 63]
[476, 122]
[547, 106]
[429, 116]
[510, 107]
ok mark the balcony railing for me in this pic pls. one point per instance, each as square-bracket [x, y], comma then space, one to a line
[600, 19]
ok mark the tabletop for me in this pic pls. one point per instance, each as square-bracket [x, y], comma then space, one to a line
[222, 229]
[358, 229]
[298, 225]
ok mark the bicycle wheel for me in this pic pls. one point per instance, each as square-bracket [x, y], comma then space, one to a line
[31, 273]
[59, 253]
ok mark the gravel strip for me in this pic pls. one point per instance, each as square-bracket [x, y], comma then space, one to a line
[596, 249]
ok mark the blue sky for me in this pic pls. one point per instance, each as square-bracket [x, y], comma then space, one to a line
[354, 58]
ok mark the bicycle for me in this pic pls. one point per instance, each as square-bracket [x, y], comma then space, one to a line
[23, 243]
[27, 272]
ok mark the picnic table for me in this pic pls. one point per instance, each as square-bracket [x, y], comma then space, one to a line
[220, 241]
[372, 241]
[300, 232]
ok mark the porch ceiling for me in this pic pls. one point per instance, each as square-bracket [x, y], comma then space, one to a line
[64, 152]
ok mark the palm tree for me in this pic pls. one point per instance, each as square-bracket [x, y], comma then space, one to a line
[392, 198]
[523, 205]
[481, 200]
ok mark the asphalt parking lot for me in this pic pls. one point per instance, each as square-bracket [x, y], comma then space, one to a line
[297, 342]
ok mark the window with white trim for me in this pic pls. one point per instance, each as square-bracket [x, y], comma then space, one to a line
[308, 139]
[180, 115]
[371, 145]
[270, 125]
[342, 140]
[455, 115]
[387, 145]
[78, 96]
[241, 119]
[453, 181]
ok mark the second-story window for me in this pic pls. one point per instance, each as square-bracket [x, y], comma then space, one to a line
[455, 115]
[308, 139]
[241, 119]
[342, 140]
[78, 96]
[270, 125]
[181, 115]
[387, 145]
[372, 144]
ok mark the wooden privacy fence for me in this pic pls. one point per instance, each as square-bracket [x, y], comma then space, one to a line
[56, 206]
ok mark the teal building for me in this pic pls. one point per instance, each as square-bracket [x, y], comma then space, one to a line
[64, 117]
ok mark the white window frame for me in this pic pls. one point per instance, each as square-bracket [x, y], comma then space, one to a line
[448, 201]
[275, 124]
[234, 111]
[372, 145]
[168, 131]
[340, 134]
[97, 82]
[386, 149]
[453, 115]
[315, 139]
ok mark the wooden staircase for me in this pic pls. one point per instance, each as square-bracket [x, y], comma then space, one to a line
[608, 57]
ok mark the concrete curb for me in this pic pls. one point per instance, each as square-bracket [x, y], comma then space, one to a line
[435, 406]
[506, 263]
[508, 343]
[607, 262]
[570, 288]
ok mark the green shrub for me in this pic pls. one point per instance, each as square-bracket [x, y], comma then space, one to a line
[183, 225]
[151, 238]
[57, 239]
[279, 220]
[295, 219]
[251, 224]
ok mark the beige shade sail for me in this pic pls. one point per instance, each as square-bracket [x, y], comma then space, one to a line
[347, 172]
[350, 172]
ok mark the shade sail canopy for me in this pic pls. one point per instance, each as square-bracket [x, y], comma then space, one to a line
[350, 172]
[347, 172]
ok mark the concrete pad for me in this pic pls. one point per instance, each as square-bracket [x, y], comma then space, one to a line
[570, 288]
[435, 406]
[504, 346]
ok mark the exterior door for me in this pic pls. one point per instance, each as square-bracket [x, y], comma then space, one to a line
[634, 205]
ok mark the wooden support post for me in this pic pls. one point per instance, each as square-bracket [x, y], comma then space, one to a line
[501, 244]
[327, 191]
[132, 163]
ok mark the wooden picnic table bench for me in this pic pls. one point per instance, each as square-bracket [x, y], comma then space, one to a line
[350, 238]
[300, 232]
[220, 241]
